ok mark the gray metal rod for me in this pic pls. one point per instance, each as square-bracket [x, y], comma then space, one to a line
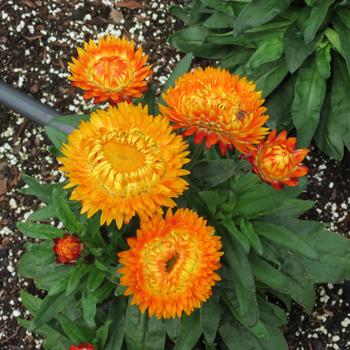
[29, 107]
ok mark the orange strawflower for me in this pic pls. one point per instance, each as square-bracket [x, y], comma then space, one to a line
[277, 161]
[67, 249]
[125, 162]
[171, 265]
[111, 70]
[82, 346]
[214, 105]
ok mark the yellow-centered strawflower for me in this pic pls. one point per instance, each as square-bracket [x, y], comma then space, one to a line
[125, 162]
[170, 267]
[110, 70]
[277, 161]
[218, 107]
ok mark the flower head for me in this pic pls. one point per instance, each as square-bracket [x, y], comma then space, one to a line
[171, 265]
[277, 161]
[67, 249]
[124, 161]
[111, 70]
[82, 346]
[214, 105]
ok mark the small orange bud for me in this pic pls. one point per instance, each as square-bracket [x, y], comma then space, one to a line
[277, 161]
[67, 249]
[82, 346]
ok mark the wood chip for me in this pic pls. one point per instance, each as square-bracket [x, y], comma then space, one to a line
[130, 4]
[116, 16]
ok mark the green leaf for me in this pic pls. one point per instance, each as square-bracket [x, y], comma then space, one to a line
[284, 238]
[42, 191]
[334, 129]
[173, 328]
[236, 337]
[149, 100]
[268, 51]
[300, 282]
[291, 280]
[219, 20]
[58, 286]
[310, 2]
[334, 39]
[317, 15]
[323, 59]
[248, 230]
[344, 32]
[95, 279]
[271, 313]
[88, 302]
[30, 302]
[334, 252]
[56, 136]
[210, 173]
[293, 207]
[259, 12]
[238, 235]
[54, 339]
[267, 274]
[276, 339]
[310, 89]
[279, 105]
[295, 49]
[242, 304]
[80, 270]
[117, 316]
[181, 68]
[212, 199]
[210, 313]
[64, 212]
[48, 309]
[238, 262]
[190, 332]
[245, 183]
[75, 332]
[192, 40]
[236, 58]
[222, 6]
[180, 13]
[143, 332]
[39, 231]
[263, 199]
[267, 76]
[44, 213]
[102, 334]
[36, 261]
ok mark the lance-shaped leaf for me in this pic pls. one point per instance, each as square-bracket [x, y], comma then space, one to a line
[258, 12]
[310, 89]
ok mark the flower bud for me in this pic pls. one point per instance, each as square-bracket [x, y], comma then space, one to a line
[67, 249]
[277, 161]
[82, 346]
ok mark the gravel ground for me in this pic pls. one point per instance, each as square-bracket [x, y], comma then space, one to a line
[37, 38]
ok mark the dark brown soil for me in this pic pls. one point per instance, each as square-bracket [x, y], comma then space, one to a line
[37, 38]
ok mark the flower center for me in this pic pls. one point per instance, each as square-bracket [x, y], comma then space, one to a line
[124, 158]
[112, 66]
[215, 110]
[114, 70]
[276, 161]
[171, 262]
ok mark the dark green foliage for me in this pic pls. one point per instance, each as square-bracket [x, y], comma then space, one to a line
[297, 53]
